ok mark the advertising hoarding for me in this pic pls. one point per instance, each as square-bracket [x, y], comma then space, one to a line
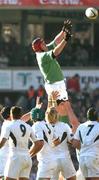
[48, 3]
[20, 80]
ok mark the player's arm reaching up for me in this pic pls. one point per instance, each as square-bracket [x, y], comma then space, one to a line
[26, 117]
[66, 27]
[59, 48]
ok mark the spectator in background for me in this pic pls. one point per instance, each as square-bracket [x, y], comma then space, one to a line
[41, 91]
[81, 55]
[23, 101]
[73, 84]
[31, 97]
[4, 60]
[7, 101]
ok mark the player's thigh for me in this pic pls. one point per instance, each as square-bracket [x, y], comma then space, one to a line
[3, 161]
[7, 178]
[72, 178]
[57, 170]
[23, 178]
[60, 87]
[83, 167]
[79, 175]
[45, 170]
[67, 168]
[26, 165]
[92, 163]
[12, 167]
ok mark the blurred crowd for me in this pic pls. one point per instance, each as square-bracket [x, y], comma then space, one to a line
[13, 54]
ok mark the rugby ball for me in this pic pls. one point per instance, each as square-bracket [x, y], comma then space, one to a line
[91, 13]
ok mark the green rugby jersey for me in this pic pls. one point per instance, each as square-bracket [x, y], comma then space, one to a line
[64, 119]
[49, 66]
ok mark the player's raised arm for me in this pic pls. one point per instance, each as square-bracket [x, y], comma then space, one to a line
[59, 48]
[66, 27]
[26, 117]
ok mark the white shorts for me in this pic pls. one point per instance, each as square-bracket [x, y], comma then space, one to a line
[18, 166]
[3, 160]
[66, 167]
[46, 169]
[89, 166]
[79, 175]
[59, 86]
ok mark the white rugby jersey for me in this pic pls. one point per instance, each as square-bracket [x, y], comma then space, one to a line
[18, 133]
[5, 149]
[44, 131]
[88, 134]
[64, 132]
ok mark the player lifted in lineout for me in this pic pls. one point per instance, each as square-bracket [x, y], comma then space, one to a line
[46, 55]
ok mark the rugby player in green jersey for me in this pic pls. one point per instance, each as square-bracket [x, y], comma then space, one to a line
[46, 55]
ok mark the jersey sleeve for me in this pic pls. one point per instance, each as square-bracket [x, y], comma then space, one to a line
[76, 135]
[45, 56]
[69, 132]
[32, 135]
[51, 45]
[38, 131]
[5, 131]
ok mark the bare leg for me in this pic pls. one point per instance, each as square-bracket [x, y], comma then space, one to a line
[8, 178]
[72, 178]
[65, 108]
[61, 177]
[23, 178]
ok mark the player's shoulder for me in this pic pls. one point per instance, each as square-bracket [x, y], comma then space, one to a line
[40, 54]
[6, 123]
[16, 123]
[63, 124]
[38, 124]
[84, 125]
[24, 123]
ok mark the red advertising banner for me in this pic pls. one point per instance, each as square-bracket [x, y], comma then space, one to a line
[46, 3]
[67, 2]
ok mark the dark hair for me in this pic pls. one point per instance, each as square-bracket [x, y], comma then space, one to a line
[16, 112]
[5, 112]
[92, 114]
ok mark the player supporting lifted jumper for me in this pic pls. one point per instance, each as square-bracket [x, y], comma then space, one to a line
[54, 79]
[86, 139]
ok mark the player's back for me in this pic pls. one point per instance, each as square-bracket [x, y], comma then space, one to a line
[63, 131]
[89, 137]
[19, 136]
[44, 131]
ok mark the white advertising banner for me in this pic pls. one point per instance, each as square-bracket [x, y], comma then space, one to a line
[19, 80]
[5, 80]
[24, 78]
